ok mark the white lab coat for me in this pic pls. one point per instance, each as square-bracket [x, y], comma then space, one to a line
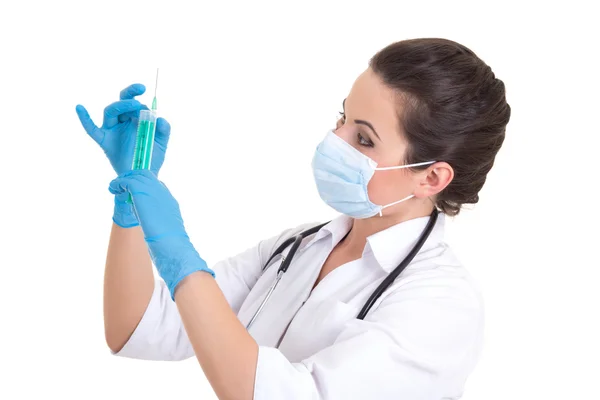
[420, 340]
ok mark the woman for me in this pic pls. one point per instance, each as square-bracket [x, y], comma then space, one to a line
[418, 134]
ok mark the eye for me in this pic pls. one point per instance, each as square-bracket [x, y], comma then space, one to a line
[340, 121]
[364, 141]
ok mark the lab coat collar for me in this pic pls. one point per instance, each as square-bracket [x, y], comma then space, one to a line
[337, 228]
[390, 246]
[393, 244]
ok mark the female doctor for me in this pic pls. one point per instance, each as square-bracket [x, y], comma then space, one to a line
[418, 134]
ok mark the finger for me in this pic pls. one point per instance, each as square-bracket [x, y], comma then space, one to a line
[133, 181]
[131, 91]
[140, 175]
[121, 107]
[163, 131]
[122, 185]
[112, 111]
[122, 197]
[88, 124]
[115, 187]
[134, 114]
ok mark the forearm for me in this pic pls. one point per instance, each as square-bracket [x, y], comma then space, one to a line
[128, 284]
[225, 350]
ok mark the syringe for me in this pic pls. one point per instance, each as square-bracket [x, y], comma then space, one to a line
[144, 141]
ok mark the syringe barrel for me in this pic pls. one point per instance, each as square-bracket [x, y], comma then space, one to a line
[144, 142]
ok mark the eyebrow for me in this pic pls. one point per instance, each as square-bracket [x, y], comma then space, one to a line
[361, 122]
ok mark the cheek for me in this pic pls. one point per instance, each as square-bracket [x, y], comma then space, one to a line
[388, 186]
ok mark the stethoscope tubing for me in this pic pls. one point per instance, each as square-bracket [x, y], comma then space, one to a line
[286, 261]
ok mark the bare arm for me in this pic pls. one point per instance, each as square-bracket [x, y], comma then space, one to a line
[128, 284]
[224, 348]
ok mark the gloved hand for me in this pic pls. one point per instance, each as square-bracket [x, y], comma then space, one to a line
[116, 138]
[158, 212]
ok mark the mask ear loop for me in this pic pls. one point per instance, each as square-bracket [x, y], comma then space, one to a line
[394, 203]
[399, 167]
[405, 166]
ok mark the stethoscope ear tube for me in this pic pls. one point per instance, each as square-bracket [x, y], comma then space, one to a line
[291, 240]
[285, 263]
[398, 270]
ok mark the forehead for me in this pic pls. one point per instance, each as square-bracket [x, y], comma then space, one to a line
[370, 99]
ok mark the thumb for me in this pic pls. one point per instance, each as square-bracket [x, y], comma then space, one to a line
[88, 124]
[163, 131]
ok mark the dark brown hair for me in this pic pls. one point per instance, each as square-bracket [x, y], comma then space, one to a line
[454, 110]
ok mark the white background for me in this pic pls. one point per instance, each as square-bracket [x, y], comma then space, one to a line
[250, 88]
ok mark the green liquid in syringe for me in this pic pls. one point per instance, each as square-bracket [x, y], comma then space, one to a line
[144, 141]
[142, 156]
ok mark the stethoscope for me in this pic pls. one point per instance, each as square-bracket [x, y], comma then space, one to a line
[295, 242]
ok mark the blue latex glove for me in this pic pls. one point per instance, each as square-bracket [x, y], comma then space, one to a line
[158, 212]
[116, 138]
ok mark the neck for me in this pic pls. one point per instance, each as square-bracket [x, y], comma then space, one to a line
[363, 228]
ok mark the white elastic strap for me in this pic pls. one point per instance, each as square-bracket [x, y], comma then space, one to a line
[394, 203]
[405, 166]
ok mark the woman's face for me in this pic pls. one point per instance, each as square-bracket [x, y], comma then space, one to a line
[369, 122]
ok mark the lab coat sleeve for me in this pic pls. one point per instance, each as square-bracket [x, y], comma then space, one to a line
[421, 342]
[160, 335]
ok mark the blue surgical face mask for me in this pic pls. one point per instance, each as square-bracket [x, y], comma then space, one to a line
[342, 174]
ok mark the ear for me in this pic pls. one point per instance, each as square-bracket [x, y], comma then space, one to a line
[434, 179]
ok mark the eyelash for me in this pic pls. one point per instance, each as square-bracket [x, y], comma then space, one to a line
[362, 141]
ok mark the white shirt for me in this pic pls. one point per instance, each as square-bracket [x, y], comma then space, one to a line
[420, 340]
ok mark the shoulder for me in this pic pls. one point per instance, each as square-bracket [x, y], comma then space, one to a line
[267, 246]
[436, 312]
[288, 233]
[442, 301]
[439, 274]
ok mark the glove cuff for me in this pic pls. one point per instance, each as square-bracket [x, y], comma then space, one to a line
[175, 258]
[199, 265]
[124, 214]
